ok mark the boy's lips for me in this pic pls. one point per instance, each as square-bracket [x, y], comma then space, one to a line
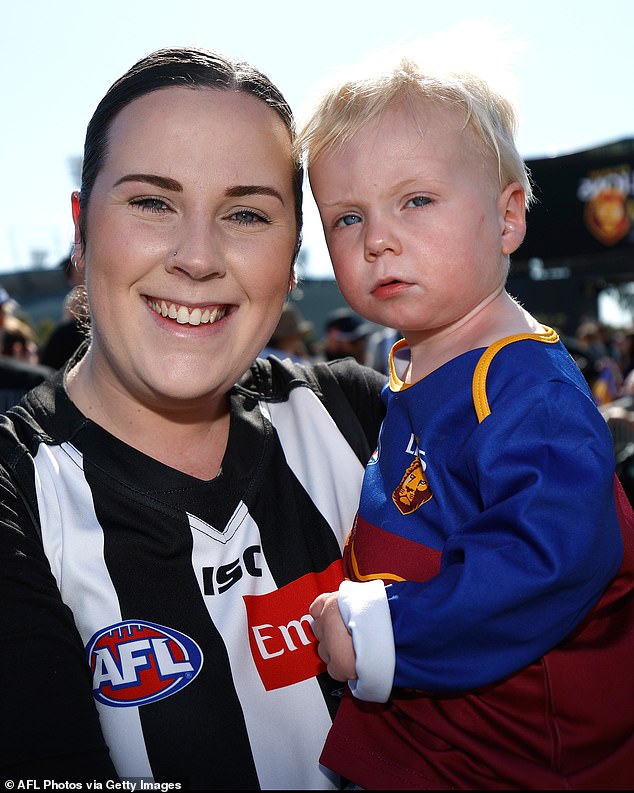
[389, 288]
[185, 315]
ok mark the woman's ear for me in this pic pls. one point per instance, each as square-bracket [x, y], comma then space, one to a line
[292, 281]
[74, 203]
[512, 208]
[78, 249]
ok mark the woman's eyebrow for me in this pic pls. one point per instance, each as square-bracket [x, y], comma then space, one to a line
[252, 189]
[237, 191]
[158, 181]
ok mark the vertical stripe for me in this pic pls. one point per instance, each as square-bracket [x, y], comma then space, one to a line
[73, 542]
[319, 456]
[302, 702]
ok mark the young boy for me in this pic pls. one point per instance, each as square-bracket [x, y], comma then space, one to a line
[486, 623]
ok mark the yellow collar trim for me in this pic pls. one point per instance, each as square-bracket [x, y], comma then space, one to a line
[396, 384]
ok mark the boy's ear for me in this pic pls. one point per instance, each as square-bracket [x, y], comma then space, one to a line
[512, 206]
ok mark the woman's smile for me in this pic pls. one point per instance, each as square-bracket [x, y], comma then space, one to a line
[186, 315]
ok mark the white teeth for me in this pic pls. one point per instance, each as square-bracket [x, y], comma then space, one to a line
[184, 316]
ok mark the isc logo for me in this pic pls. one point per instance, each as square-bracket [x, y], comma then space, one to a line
[134, 663]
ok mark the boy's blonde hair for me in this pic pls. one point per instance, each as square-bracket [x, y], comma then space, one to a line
[347, 107]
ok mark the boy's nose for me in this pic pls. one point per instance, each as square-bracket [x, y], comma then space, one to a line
[378, 246]
[379, 241]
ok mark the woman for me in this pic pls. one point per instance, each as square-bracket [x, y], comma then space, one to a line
[158, 521]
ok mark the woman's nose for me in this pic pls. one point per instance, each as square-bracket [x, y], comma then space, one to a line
[198, 253]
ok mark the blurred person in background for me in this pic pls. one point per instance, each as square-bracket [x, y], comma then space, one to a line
[346, 334]
[289, 337]
[603, 373]
[18, 340]
[378, 347]
[67, 336]
[20, 369]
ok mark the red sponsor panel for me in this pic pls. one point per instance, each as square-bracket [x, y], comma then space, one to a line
[280, 629]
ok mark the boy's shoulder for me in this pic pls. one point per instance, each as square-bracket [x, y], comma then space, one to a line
[523, 362]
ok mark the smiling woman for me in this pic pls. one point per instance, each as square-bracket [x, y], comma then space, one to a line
[171, 505]
[194, 210]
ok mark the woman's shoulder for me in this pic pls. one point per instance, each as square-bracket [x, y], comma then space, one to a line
[350, 392]
[272, 379]
[43, 414]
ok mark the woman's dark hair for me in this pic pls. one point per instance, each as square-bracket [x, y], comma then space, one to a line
[189, 68]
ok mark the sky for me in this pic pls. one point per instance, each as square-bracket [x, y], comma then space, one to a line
[567, 65]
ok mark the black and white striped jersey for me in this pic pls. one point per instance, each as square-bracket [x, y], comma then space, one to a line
[178, 607]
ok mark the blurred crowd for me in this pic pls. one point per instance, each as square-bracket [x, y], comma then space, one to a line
[344, 334]
[20, 367]
[604, 355]
[606, 358]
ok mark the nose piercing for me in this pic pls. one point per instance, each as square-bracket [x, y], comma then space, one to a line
[175, 253]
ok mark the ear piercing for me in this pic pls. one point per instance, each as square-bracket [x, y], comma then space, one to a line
[73, 260]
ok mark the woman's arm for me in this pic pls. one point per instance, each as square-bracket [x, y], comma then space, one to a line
[51, 723]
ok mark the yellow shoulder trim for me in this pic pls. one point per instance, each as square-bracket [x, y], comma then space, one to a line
[480, 401]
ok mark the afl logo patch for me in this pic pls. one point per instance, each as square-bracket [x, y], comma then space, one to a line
[374, 458]
[135, 663]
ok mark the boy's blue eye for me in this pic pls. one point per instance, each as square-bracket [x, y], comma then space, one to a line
[348, 220]
[418, 201]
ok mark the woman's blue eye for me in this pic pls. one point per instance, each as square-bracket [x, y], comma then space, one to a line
[418, 201]
[150, 204]
[348, 220]
[245, 217]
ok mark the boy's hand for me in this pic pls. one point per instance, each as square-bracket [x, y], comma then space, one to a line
[335, 643]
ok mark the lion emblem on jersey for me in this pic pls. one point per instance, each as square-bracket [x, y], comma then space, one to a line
[413, 490]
